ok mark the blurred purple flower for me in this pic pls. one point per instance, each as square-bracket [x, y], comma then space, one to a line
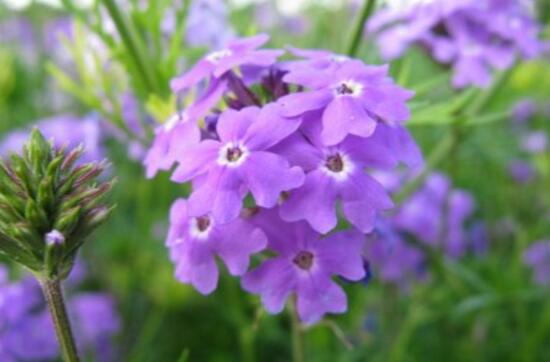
[472, 36]
[208, 24]
[305, 265]
[195, 241]
[537, 256]
[65, 130]
[523, 111]
[26, 329]
[393, 260]
[534, 142]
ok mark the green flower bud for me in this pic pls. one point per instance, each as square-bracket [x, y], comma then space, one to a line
[49, 206]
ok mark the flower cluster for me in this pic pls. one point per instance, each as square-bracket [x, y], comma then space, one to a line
[26, 329]
[282, 147]
[435, 217]
[471, 36]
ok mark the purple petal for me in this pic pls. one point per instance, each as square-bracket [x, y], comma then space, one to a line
[196, 161]
[200, 71]
[270, 128]
[268, 174]
[318, 295]
[313, 202]
[298, 103]
[343, 116]
[239, 241]
[340, 254]
[274, 280]
[362, 198]
[233, 125]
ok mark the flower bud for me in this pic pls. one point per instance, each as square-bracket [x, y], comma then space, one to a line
[49, 205]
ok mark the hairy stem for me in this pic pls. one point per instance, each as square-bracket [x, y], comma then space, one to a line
[54, 298]
[365, 12]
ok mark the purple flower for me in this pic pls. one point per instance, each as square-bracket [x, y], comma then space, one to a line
[224, 171]
[195, 241]
[393, 260]
[472, 36]
[171, 140]
[353, 98]
[537, 256]
[305, 265]
[216, 66]
[337, 174]
[436, 215]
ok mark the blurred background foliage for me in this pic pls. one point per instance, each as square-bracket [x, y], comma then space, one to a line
[483, 309]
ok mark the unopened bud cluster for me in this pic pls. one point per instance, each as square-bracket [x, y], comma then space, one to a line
[49, 205]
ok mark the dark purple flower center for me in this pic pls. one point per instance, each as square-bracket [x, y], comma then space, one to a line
[233, 154]
[203, 223]
[344, 89]
[335, 163]
[304, 260]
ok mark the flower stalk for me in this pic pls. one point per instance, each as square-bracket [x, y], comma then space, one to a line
[355, 40]
[54, 298]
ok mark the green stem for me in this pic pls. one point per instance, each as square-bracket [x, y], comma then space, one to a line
[298, 354]
[54, 298]
[365, 12]
[132, 44]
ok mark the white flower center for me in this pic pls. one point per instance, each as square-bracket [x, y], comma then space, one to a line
[337, 165]
[215, 57]
[348, 88]
[200, 227]
[232, 154]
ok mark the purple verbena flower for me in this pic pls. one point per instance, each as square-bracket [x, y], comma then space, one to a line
[305, 265]
[224, 170]
[337, 174]
[194, 241]
[353, 98]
